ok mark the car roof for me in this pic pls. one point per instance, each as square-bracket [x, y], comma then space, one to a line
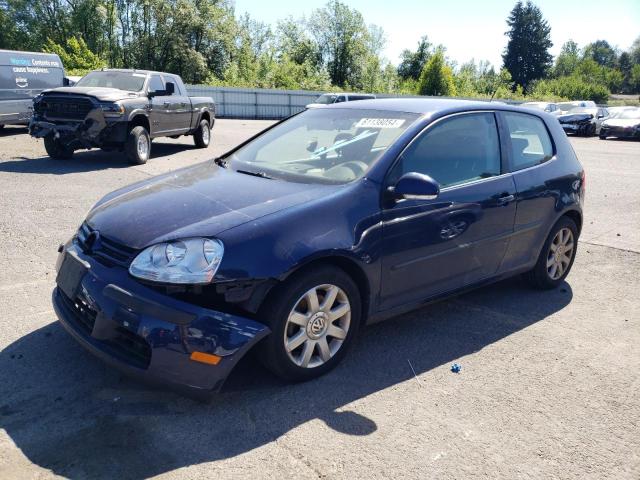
[131, 70]
[421, 106]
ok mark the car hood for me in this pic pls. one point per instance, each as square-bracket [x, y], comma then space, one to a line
[622, 122]
[574, 117]
[203, 200]
[102, 94]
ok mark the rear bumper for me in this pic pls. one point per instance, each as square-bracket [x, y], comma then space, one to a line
[150, 336]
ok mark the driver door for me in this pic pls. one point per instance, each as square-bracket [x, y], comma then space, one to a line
[158, 106]
[435, 246]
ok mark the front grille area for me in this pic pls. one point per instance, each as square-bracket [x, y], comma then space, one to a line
[122, 343]
[132, 348]
[106, 251]
[83, 314]
[64, 108]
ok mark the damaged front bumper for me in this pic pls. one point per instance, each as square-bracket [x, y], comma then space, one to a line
[93, 131]
[145, 334]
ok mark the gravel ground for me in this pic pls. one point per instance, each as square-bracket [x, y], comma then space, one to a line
[549, 387]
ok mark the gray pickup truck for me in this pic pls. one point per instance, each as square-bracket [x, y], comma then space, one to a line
[120, 110]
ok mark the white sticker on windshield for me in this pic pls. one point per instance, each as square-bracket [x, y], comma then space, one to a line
[380, 123]
[141, 75]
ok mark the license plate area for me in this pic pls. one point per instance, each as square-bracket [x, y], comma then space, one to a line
[70, 274]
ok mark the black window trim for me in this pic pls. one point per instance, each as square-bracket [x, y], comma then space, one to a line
[503, 153]
[507, 141]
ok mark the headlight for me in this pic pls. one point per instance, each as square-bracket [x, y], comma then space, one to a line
[190, 261]
[112, 109]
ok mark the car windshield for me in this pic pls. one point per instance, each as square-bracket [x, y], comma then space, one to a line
[129, 81]
[629, 114]
[334, 146]
[326, 99]
[580, 110]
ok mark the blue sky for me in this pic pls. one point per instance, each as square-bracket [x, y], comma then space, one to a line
[471, 29]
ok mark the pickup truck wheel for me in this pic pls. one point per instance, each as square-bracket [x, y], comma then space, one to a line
[202, 137]
[55, 149]
[138, 146]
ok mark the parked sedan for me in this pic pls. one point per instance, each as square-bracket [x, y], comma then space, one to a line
[625, 124]
[584, 121]
[333, 219]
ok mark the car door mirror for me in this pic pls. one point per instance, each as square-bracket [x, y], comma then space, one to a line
[416, 186]
[169, 88]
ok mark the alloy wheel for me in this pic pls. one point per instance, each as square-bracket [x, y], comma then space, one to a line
[317, 326]
[560, 253]
[143, 146]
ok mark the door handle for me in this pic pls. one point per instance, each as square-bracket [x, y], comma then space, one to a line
[166, 104]
[505, 199]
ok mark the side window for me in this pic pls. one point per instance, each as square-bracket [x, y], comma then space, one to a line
[176, 90]
[340, 99]
[530, 142]
[156, 84]
[456, 150]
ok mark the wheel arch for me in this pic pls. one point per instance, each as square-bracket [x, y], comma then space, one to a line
[574, 215]
[139, 120]
[347, 265]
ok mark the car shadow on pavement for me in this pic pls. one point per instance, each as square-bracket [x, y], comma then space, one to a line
[9, 131]
[69, 413]
[85, 160]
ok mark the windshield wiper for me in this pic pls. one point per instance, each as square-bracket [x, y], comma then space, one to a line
[255, 174]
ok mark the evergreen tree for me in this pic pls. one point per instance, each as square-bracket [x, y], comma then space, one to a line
[413, 62]
[527, 54]
[436, 77]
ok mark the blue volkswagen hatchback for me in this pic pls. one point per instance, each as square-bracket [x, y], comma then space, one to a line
[330, 220]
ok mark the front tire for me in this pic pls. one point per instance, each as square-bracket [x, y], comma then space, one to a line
[557, 256]
[314, 318]
[56, 150]
[138, 146]
[202, 136]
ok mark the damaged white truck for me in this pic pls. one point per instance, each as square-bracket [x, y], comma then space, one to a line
[120, 110]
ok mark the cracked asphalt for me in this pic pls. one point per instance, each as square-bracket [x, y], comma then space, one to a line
[549, 386]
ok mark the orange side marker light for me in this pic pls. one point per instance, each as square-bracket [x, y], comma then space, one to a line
[205, 358]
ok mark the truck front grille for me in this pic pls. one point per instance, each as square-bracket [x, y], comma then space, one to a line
[64, 108]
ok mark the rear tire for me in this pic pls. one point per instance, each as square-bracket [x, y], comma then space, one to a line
[324, 331]
[138, 146]
[556, 257]
[602, 137]
[202, 136]
[56, 150]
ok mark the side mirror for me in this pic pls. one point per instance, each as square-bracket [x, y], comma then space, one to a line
[601, 115]
[169, 88]
[66, 82]
[416, 186]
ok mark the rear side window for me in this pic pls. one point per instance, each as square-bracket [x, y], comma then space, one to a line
[456, 150]
[530, 142]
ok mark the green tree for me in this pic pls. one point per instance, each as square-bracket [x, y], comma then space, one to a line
[527, 54]
[602, 53]
[568, 59]
[412, 62]
[343, 39]
[437, 78]
[76, 56]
